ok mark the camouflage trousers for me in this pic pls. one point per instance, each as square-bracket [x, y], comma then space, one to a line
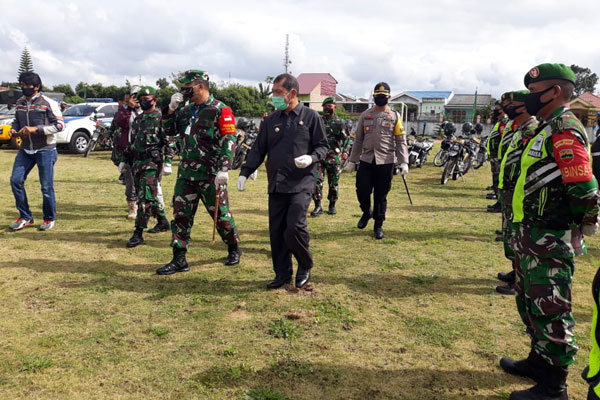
[186, 196]
[508, 226]
[592, 372]
[495, 167]
[544, 275]
[147, 188]
[333, 176]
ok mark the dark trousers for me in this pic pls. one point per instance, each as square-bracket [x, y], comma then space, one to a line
[376, 179]
[289, 232]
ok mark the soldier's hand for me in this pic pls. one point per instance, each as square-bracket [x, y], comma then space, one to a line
[222, 178]
[403, 169]
[344, 156]
[589, 229]
[176, 99]
[241, 183]
[350, 167]
[303, 161]
[167, 170]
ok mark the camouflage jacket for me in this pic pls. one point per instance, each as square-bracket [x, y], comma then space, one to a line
[338, 139]
[510, 167]
[148, 141]
[556, 188]
[495, 138]
[208, 135]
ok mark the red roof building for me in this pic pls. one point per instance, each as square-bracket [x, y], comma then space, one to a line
[586, 108]
[315, 87]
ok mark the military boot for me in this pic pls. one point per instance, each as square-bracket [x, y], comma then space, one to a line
[552, 385]
[508, 289]
[162, 225]
[136, 239]
[318, 209]
[332, 210]
[495, 208]
[177, 264]
[378, 230]
[531, 367]
[364, 220]
[508, 277]
[132, 209]
[233, 255]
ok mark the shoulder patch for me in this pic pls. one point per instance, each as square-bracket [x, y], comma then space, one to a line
[226, 122]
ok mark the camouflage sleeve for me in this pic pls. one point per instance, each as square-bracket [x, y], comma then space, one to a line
[348, 142]
[169, 147]
[172, 123]
[226, 127]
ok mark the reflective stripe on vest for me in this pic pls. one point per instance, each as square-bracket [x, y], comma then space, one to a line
[510, 156]
[507, 136]
[493, 133]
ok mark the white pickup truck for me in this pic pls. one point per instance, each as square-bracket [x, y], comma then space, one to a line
[79, 124]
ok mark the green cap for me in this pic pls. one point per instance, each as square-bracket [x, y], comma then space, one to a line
[505, 96]
[497, 103]
[328, 100]
[519, 95]
[146, 91]
[544, 72]
[193, 75]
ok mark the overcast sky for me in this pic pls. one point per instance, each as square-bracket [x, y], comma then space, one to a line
[456, 45]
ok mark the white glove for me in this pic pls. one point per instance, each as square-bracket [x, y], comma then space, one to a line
[241, 183]
[403, 169]
[176, 99]
[589, 229]
[350, 167]
[121, 166]
[222, 178]
[254, 175]
[303, 161]
[167, 170]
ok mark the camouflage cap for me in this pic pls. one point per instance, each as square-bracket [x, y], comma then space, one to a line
[519, 95]
[381, 88]
[146, 91]
[328, 100]
[544, 72]
[192, 75]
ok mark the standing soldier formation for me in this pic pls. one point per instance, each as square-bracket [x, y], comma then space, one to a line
[493, 144]
[338, 139]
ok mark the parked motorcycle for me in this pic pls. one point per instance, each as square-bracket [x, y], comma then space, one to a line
[418, 149]
[442, 156]
[482, 153]
[245, 140]
[101, 135]
[457, 156]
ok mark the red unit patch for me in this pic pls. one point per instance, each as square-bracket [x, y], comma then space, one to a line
[227, 122]
[572, 158]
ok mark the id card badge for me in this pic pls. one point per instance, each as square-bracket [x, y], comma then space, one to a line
[188, 130]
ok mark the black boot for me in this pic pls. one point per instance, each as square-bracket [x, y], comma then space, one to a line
[531, 367]
[162, 225]
[551, 386]
[495, 208]
[177, 264]
[318, 210]
[491, 196]
[364, 220]
[233, 255]
[378, 230]
[508, 277]
[136, 239]
[508, 289]
[332, 210]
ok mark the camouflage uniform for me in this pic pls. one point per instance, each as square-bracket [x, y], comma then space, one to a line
[338, 139]
[148, 142]
[554, 194]
[493, 144]
[208, 134]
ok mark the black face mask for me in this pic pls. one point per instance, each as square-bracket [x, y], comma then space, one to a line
[512, 112]
[381, 100]
[187, 92]
[146, 104]
[496, 113]
[533, 104]
[28, 91]
[328, 112]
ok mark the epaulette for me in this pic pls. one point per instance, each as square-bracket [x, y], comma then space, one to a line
[567, 121]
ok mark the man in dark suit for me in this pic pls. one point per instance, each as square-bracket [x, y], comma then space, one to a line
[294, 139]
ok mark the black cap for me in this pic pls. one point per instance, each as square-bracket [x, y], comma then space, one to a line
[381, 88]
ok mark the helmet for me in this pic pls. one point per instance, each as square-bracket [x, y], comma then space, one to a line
[449, 128]
[242, 123]
[467, 127]
[478, 128]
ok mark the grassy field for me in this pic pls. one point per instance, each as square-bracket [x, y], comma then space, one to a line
[413, 316]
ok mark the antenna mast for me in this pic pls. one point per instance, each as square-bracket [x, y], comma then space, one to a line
[286, 58]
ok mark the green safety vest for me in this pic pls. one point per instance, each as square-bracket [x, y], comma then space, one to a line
[512, 155]
[494, 132]
[506, 139]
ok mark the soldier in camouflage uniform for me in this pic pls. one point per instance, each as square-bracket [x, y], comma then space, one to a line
[207, 127]
[148, 144]
[338, 139]
[493, 143]
[554, 201]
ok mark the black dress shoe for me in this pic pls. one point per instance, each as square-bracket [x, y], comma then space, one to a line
[495, 208]
[498, 232]
[318, 209]
[332, 210]
[489, 188]
[507, 289]
[378, 230]
[177, 264]
[491, 196]
[279, 282]
[499, 239]
[162, 225]
[508, 277]
[233, 255]
[364, 220]
[136, 239]
[302, 277]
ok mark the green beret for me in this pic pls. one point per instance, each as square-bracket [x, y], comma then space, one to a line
[328, 100]
[193, 75]
[519, 95]
[505, 96]
[545, 72]
[497, 103]
[146, 91]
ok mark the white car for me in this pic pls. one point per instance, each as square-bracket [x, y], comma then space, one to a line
[79, 124]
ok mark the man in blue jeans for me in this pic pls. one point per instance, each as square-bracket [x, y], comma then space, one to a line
[37, 120]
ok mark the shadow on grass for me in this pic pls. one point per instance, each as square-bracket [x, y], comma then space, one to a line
[399, 234]
[308, 380]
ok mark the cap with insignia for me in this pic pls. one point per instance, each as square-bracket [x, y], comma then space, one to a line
[193, 75]
[519, 95]
[328, 100]
[545, 72]
[146, 91]
[381, 88]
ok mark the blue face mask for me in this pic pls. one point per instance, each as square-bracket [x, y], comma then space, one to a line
[279, 102]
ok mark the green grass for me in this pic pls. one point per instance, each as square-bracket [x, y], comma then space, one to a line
[413, 316]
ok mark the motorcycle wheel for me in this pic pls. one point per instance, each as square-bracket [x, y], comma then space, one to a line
[467, 164]
[448, 171]
[411, 160]
[90, 147]
[422, 161]
[440, 158]
[480, 161]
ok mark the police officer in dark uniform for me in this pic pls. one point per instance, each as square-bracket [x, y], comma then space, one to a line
[293, 138]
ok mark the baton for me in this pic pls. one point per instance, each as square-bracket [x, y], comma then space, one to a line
[217, 199]
[407, 192]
